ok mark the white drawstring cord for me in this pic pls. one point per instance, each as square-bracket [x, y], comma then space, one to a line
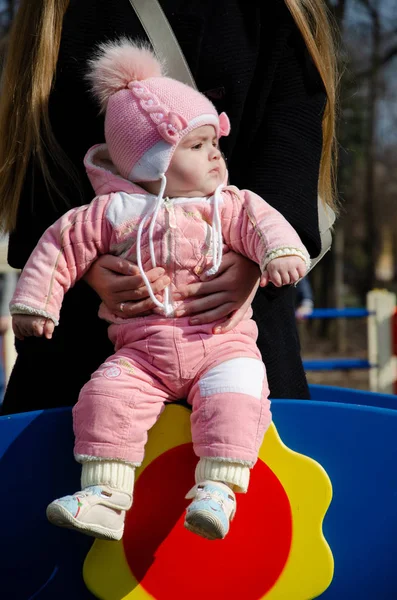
[159, 202]
[139, 262]
[166, 306]
[217, 241]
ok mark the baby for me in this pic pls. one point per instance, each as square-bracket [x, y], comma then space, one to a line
[162, 199]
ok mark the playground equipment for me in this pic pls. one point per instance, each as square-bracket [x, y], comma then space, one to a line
[382, 341]
[279, 547]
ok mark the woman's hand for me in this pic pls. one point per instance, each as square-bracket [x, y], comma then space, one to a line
[228, 295]
[120, 286]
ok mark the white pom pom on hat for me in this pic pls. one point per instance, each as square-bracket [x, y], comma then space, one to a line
[118, 63]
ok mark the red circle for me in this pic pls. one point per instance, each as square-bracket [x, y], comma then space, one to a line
[172, 563]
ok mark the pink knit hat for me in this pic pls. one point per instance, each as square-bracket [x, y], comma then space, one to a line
[147, 113]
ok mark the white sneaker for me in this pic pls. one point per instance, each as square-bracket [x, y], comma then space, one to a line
[212, 509]
[98, 510]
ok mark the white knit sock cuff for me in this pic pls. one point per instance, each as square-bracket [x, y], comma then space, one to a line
[117, 475]
[234, 474]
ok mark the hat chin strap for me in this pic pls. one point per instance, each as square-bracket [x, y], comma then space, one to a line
[217, 241]
[166, 306]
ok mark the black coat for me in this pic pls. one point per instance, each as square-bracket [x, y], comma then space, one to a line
[250, 60]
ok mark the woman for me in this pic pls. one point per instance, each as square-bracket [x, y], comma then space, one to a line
[275, 81]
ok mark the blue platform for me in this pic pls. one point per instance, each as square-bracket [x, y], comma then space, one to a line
[352, 434]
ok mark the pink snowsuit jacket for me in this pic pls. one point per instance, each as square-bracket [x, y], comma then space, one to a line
[182, 238]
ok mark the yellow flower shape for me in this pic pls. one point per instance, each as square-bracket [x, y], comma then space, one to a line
[275, 549]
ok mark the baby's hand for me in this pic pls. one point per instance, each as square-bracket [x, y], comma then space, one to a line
[283, 270]
[28, 325]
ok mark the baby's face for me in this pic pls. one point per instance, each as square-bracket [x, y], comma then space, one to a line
[197, 166]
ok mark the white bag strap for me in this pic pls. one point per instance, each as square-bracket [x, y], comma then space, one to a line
[163, 40]
[326, 219]
[165, 44]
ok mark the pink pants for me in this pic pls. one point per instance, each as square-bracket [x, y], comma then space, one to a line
[222, 377]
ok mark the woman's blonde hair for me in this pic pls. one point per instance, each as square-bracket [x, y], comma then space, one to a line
[28, 76]
[314, 22]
